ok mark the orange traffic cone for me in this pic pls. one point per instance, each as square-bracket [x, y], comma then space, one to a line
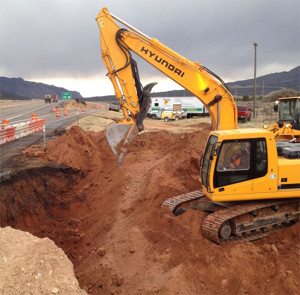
[83, 108]
[5, 123]
[53, 108]
[57, 113]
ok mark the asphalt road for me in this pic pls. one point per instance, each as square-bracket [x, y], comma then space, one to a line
[53, 125]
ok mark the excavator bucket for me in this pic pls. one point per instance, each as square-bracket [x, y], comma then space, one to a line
[120, 134]
[117, 136]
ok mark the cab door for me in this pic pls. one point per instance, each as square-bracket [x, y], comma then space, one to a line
[232, 175]
[264, 174]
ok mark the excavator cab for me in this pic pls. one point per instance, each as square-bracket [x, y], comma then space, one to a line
[289, 111]
[231, 161]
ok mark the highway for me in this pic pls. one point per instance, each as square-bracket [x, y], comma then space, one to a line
[23, 112]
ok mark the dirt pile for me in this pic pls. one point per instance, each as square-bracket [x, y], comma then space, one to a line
[121, 241]
[30, 265]
[76, 148]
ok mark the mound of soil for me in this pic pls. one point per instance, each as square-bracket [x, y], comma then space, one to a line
[30, 265]
[75, 148]
[121, 241]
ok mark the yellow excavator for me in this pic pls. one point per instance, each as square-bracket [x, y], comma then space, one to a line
[288, 125]
[249, 186]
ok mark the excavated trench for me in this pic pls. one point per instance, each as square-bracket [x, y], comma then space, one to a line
[111, 225]
[65, 202]
[41, 200]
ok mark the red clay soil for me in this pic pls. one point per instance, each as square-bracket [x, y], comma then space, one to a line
[122, 242]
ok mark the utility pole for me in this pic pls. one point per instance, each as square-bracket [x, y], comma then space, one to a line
[254, 94]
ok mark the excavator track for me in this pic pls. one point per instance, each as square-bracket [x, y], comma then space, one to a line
[250, 220]
[173, 203]
[237, 221]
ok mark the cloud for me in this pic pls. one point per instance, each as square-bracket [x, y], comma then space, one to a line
[60, 38]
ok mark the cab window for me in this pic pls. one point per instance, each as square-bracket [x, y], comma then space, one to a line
[240, 161]
[260, 157]
[234, 156]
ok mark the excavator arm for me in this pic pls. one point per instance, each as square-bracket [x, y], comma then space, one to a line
[116, 47]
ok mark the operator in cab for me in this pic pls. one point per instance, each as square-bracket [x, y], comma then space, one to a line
[239, 158]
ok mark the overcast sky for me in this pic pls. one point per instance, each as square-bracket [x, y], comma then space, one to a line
[57, 41]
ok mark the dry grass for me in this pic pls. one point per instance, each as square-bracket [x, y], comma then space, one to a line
[99, 120]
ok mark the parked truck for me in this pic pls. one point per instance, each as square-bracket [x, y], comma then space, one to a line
[244, 113]
[191, 106]
[47, 98]
[114, 106]
[54, 98]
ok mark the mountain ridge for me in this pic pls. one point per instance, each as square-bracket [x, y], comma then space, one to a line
[18, 88]
[268, 83]
[272, 82]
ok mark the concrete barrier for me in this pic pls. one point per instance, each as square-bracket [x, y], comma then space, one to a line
[2, 136]
[20, 129]
[9, 133]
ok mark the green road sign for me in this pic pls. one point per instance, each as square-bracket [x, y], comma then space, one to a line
[66, 95]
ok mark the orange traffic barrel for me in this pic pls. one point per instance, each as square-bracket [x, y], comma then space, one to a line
[5, 123]
[65, 111]
[57, 113]
[33, 116]
[53, 108]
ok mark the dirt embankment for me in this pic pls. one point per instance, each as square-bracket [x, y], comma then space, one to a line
[110, 224]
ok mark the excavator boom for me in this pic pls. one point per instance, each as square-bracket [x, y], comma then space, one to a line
[116, 46]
